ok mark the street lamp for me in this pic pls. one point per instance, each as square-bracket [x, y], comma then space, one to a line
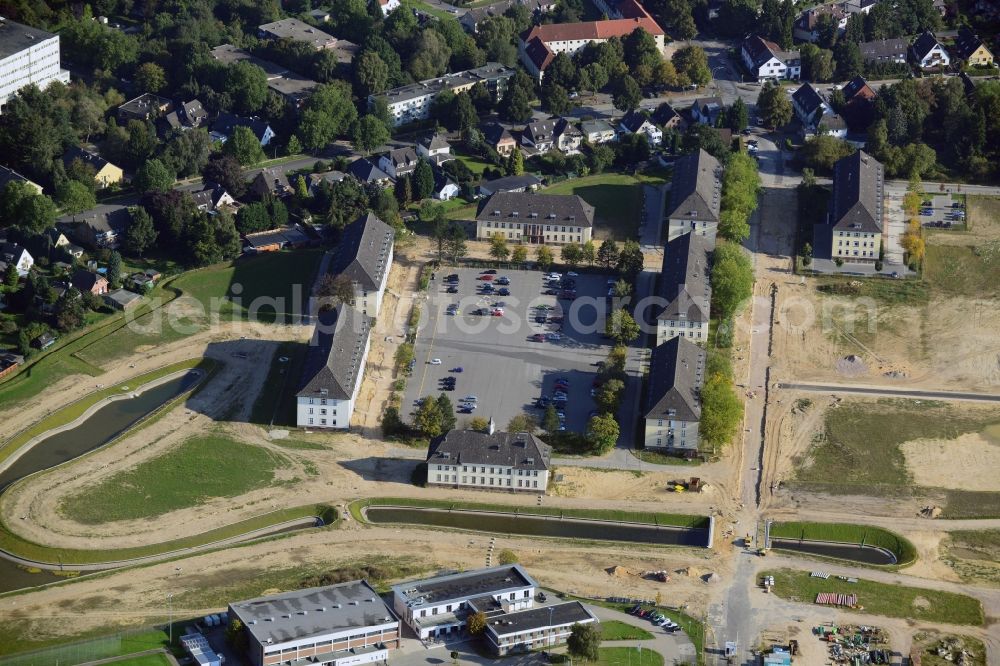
[170, 616]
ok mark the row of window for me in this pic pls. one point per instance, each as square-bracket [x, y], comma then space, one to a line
[323, 411]
[449, 608]
[841, 243]
[548, 227]
[323, 422]
[521, 483]
[671, 333]
[854, 234]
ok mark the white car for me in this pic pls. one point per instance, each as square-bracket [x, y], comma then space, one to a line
[470, 398]
[572, 274]
[553, 336]
[553, 276]
[435, 361]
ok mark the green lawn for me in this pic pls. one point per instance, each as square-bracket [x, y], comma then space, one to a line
[974, 555]
[660, 458]
[616, 197]
[881, 598]
[627, 656]
[198, 469]
[964, 270]
[146, 660]
[275, 405]
[901, 547]
[615, 630]
[16, 638]
[861, 442]
[428, 9]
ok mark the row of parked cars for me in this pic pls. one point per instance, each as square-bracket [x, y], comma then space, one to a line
[656, 617]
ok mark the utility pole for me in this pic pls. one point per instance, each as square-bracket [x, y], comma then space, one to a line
[170, 616]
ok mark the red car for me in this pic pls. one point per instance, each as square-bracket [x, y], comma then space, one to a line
[486, 278]
[538, 337]
[497, 313]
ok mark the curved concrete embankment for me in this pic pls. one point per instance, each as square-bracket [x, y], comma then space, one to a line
[840, 550]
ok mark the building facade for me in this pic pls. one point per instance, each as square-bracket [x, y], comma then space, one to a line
[412, 102]
[27, 55]
[695, 197]
[767, 60]
[676, 375]
[511, 633]
[339, 625]
[364, 255]
[511, 462]
[685, 286]
[855, 219]
[537, 219]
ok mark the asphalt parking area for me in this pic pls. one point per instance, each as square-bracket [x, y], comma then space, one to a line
[503, 364]
[941, 211]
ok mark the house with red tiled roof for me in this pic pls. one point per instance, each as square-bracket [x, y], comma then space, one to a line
[540, 45]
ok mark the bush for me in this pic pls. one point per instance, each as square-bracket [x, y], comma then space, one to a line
[507, 556]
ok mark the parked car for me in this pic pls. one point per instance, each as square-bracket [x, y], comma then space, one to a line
[490, 271]
[435, 361]
[503, 280]
[452, 290]
[470, 398]
[551, 292]
[553, 336]
[486, 278]
[504, 291]
[538, 337]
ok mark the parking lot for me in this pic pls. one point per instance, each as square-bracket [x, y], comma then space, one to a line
[510, 360]
[942, 211]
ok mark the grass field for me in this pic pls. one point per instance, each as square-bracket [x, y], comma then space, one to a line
[679, 520]
[275, 405]
[975, 651]
[100, 644]
[962, 270]
[863, 438]
[884, 290]
[659, 458]
[616, 197]
[627, 656]
[615, 630]
[145, 660]
[200, 468]
[901, 547]
[974, 555]
[881, 598]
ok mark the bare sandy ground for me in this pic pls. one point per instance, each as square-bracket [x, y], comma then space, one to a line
[968, 462]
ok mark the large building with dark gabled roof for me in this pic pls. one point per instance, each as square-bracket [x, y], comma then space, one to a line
[853, 229]
[364, 256]
[333, 369]
[676, 375]
[685, 289]
[695, 196]
[507, 461]
[535, 218]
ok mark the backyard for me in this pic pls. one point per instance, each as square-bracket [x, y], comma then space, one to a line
[617, 198]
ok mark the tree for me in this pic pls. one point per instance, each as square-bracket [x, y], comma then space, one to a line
[114, 275]
[721, 407]
[630, 260]
[691, 64]
[428, 419]
[570, 254]
[150, 77]
[627, 94]
[609, 395]
[371, 74]
[773, 105]
[516, 167]
[740, 186]
[588, 253]
[423, 180]
[153, 175]
[244, 145]
[498, 247]
[74, 197]
[448, 419]
[246, 85]
[479, 424]
[602, 434]
[519, 255]
[333, 290]
[737, 116]
[550, 422]
[608, 253]
[507, 556]
[913, 242]
[329, 113]
[817, 63]
[522, 423]
[22, 206]
[476, 624]
[11, 277]
[543, 256]
[140, 234]
[455, 242]
[731, 278]
[294, 146]
[621, 327]
[69, 310]
[821, 152]
[584, 640]
[622, 289]
[515, 105]
[368, 133]
[849, 60]
[555, 99]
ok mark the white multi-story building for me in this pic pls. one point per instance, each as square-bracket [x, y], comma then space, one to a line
[524, 217]
[27, 55]
[685, 288]
[676, 375]
[695, 197]
[505, 461]
[438, 607]
[339, 625]
[364, 256]
[767, 60]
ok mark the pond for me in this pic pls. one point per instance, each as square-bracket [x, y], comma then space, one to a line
[854, 552]
[545, 526]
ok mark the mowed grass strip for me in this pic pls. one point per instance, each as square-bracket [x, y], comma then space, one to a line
[963, 270]
[616, 630]
[882, 598]
[616, 198]
[17, 638]
[627, 656]
[861, 441]
[901, 547]
[145, 660]
[646, 518]
[199, 469]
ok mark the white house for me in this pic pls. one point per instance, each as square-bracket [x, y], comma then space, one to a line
[569, 138]
[333, 370]
[399, 162]
[12, 254]
[388, 5]
[501, 461]
[636, 122]
[695, 197]
[597, 132]
[815, 114]
[540, 135]
[928, 53]
[445, 188]
[435, 149]
[676, 375]
[685, 289]
[706, 110]
[767, 60]
[364, 255]
[27, 55]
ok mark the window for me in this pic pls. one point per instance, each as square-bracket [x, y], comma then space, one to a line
[310, 421]
[322, 421]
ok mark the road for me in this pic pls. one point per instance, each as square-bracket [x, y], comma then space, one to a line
[859, 389]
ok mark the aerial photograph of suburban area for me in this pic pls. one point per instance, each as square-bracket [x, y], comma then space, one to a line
[499, 332]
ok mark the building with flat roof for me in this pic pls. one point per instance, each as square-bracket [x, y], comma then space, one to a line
[27, 55]
[295, 89]
[536, 628]
[412, 102]
[535, 218]
[201, 652]
[676, 375]
[508, 461]
[439, 606]
[695, 197]
[144, 107]
[338, 625]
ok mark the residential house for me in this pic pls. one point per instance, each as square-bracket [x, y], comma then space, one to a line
[529, 630]
[193, 114]
[806, 26]
[685, 289]
[273, 240]
[100, 227]
[319, 15]
[142, 282]
[86, 281]
[12, 254]
[224, 125]
[122, 299]
[928, 53]
[535, 218]
[523, 183]
[270, 181]
[292, 87]
[435, 149]
[346, 624]
[569, 138]
[971, 49]
[706, 110]
[299, 31]
[885, 51]
[27, 56]
[105, 173]
[596, 132]
[399, 162]
[859, 107]
[211, 199]
[445, 188]
[315, 180]
[62, 243]
[768, 61]
[673, 412]
[855, 222]
[43, 341]
[412, 102]
[859, 6]
[388, 5]
[473, 16]
[667, 117]
[695, 196]
[365, 172]
[9, 175]
[816, 116]
[498, 138]
[146, 106]
[539, 136]
[636, 122]
[364, 255]
[540, 44]
[333, 369]
[504, 461]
